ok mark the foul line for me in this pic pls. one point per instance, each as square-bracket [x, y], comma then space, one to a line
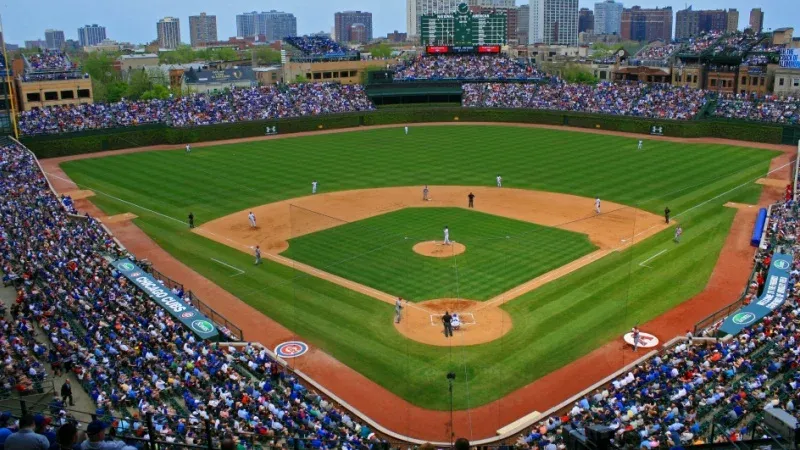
[241, 272]
[651, 258]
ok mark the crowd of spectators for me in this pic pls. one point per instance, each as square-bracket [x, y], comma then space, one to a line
[238, 104]
[468, 67]
[318, 46]
[130, 356]
[656, 52]
[701, 43]
[767, 109]
[49, 61]
[702, 392]
[630, 99]
[757, 59]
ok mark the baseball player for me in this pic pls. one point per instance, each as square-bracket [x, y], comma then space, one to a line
[188, 149]
[635, 332]
[398, 307]
[252, 218]
[640, 144]
[258, 255]
[471, 198]
[446, 235]
[425, 193]
[666, 214]
[191, 220]
[406, 131]
[314, 187]
[678, 234]
[499, 181]
[597, 205]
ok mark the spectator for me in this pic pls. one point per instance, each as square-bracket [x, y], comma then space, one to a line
[25, 438]
[462, 444]
[96, 435]
[66, 437]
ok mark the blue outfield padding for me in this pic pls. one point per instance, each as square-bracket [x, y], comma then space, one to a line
[758, 229]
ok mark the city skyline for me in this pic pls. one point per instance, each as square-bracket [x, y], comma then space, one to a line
[138, 26]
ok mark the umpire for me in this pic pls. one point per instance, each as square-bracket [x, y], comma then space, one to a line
[666, 214]
[448, 326]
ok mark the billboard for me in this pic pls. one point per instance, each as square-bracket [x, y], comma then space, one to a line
[790, 58]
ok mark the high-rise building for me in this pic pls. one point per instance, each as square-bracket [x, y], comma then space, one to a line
[607, 17]
[415, 9]
[202, 29]
[493, 3]
[91, 35]
[169, 32]
[553, 22]
[757, 20]
[38, 43]
[733, 21]
[343, 25]
[689, 23]
[523, 23]
[54, 39]
[585, 21]
[650, 24]
[274, 25]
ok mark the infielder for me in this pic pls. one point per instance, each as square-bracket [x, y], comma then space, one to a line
[406, 131]
[188, 149]
[252, 218]
[678, 234]
[398, 307]
[314, 187]
[597, 205]
[499, 181]
[258, 255]
[640, 144]
[446, 235]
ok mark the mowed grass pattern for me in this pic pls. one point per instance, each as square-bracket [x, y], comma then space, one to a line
[553, 325]
[378, 252]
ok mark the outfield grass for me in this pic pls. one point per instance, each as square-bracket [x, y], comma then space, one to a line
[553, 325]
[501, 253]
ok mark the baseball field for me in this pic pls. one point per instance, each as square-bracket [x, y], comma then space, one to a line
[543, 279]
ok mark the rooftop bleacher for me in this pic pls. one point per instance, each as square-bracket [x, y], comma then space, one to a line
[319, 48]
[50, 65]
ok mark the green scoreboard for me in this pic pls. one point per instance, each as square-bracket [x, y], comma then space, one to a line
[463, 28]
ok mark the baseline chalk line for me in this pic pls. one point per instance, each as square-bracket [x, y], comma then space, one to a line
[652, 258]
[241, 272]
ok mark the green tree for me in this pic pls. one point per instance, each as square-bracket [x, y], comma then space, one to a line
[576, 74]
[266, 55]
[301, 79]
[157, 92]
[382, 50]
[115, 91]
[223, 54]
[138, 84]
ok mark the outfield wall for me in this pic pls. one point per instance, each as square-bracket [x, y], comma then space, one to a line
[48, 146]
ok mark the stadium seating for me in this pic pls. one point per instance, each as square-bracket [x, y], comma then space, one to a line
[632, 99]
[767, 109]
[130, 356]
[319, 47]
[469, 67]
[235, 105]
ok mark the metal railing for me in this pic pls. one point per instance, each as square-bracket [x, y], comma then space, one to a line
[235, 332]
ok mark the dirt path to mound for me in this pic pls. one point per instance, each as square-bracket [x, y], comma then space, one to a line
[726, 283]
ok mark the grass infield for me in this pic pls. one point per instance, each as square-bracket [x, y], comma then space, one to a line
[553, 325]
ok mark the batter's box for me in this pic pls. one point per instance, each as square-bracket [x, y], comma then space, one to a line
[466, 318]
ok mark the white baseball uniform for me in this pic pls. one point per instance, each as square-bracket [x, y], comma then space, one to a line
[188, 148]
[447, 236]
[640, 145]
[252, 218]
[597, 205]
[499, 181]
[313, 187]
[406, 130]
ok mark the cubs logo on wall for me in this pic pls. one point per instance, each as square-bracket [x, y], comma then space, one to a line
[646, 340]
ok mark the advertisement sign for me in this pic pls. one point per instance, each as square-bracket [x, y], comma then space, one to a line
[188, 315]
[790, 58]
[437, 49]
[773, 296]
[488, 49]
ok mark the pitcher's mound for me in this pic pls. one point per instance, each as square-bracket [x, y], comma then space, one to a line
[437, 249]
[480, 323]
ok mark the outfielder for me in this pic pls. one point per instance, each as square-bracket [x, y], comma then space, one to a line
[314, 187]
[398, 307]
[406, 131]
[499, 181]
[446, 235]
[640, 144]
[188, 149]
[597, 205]
[252, 218]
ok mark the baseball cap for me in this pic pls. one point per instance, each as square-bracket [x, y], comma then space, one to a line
[96, 427]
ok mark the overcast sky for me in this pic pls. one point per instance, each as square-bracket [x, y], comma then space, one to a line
[135, 21]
